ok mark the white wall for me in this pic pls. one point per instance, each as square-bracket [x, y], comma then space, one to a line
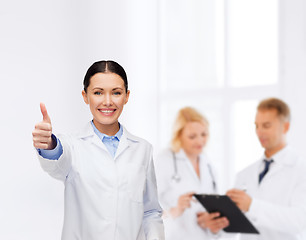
[46, 48]
[39, 62]
[292, 67]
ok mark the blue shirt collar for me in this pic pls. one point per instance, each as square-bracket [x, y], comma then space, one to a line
[102, 135]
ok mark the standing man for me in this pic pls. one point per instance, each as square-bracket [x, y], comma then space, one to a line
[272, 191]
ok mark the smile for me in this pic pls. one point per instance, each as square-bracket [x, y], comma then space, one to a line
[107, 112]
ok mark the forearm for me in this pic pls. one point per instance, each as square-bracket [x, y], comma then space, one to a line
[60, 168]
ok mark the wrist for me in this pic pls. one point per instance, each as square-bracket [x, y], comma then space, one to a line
[53, 142]
[175, 212]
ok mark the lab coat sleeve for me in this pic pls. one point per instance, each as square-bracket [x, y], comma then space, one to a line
[152, 221]
[60, 168]
[289, 219]
[164, 171]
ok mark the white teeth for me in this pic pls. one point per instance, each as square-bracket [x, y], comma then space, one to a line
[106, 111]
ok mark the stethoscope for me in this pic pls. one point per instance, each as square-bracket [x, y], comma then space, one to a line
[177, 178]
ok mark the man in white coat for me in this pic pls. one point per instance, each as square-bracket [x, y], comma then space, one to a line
[272, 191]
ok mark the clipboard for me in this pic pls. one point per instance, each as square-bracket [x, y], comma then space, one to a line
[226, 207]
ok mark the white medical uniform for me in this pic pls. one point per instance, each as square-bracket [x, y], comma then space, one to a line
[107, 198]
[278, 208]
[185, 226]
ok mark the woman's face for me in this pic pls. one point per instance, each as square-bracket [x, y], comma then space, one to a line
[194, 137]
[106, 97]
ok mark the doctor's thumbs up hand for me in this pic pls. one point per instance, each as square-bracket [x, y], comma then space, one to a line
[42, 134]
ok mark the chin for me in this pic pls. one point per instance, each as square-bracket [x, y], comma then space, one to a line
[106, 121]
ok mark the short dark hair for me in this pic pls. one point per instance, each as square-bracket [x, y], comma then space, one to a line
[103, 66]
[280, 106]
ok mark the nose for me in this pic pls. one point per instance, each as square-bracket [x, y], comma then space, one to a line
[107, 101]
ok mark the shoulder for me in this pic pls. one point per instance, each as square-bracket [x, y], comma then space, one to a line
[165, 153]
[135, 139]
[293, 157]
[295, 160]
[163, 158]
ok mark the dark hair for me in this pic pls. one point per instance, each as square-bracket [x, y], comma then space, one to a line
[105, 67]
[280, 106]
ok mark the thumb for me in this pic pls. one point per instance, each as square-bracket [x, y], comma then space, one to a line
[44, 112]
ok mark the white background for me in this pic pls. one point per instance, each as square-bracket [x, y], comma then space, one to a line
[45, 50]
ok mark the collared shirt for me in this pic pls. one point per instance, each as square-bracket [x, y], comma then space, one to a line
[110, 142]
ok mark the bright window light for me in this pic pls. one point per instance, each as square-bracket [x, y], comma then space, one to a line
[246, 146]
[252, 44]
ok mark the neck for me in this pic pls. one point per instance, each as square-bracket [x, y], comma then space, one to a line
[108, 129]
[270, 152]
[193, 158]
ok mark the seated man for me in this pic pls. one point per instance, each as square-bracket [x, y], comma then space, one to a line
[272, 191]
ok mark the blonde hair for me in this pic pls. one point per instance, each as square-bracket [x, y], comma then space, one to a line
[184, 116]
[283, 111]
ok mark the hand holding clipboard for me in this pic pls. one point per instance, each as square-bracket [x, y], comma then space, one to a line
[226, 207]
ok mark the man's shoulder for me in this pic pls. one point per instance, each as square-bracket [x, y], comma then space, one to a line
[292, 158]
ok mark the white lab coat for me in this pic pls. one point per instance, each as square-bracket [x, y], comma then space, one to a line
[107, 198]
[278, 208]
[185, 226]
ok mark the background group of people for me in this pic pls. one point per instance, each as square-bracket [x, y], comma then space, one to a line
[271, 192]
[113, 192]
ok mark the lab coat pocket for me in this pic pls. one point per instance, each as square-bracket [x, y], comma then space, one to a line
[136, 182]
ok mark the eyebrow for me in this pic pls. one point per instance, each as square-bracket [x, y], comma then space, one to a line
[116, 88]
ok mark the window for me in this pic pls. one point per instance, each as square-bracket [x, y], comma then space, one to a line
[220, 57]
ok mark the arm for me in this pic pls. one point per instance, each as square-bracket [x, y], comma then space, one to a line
[290, 218]
[173, 205]
[46, 142]
[153, 224]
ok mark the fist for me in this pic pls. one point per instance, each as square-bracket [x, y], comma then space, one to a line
[43, 131]
[212, 221]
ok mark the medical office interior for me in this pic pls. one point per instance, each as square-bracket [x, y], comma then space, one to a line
[219, 56]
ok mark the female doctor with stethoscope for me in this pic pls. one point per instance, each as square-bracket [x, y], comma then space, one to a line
[182, 171]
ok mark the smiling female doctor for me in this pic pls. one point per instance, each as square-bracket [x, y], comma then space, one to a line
[182, 171]
[110, 186]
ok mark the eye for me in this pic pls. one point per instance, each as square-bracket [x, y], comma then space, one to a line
[117, 93]
[204, 134]
[267, 125]
[192, 137]
[97, 93]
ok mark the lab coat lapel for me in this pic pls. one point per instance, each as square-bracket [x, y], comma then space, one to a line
[125, 142]
[278, 167]
[281, 161]
[181, 154]
[88, 133]
[123, 145]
